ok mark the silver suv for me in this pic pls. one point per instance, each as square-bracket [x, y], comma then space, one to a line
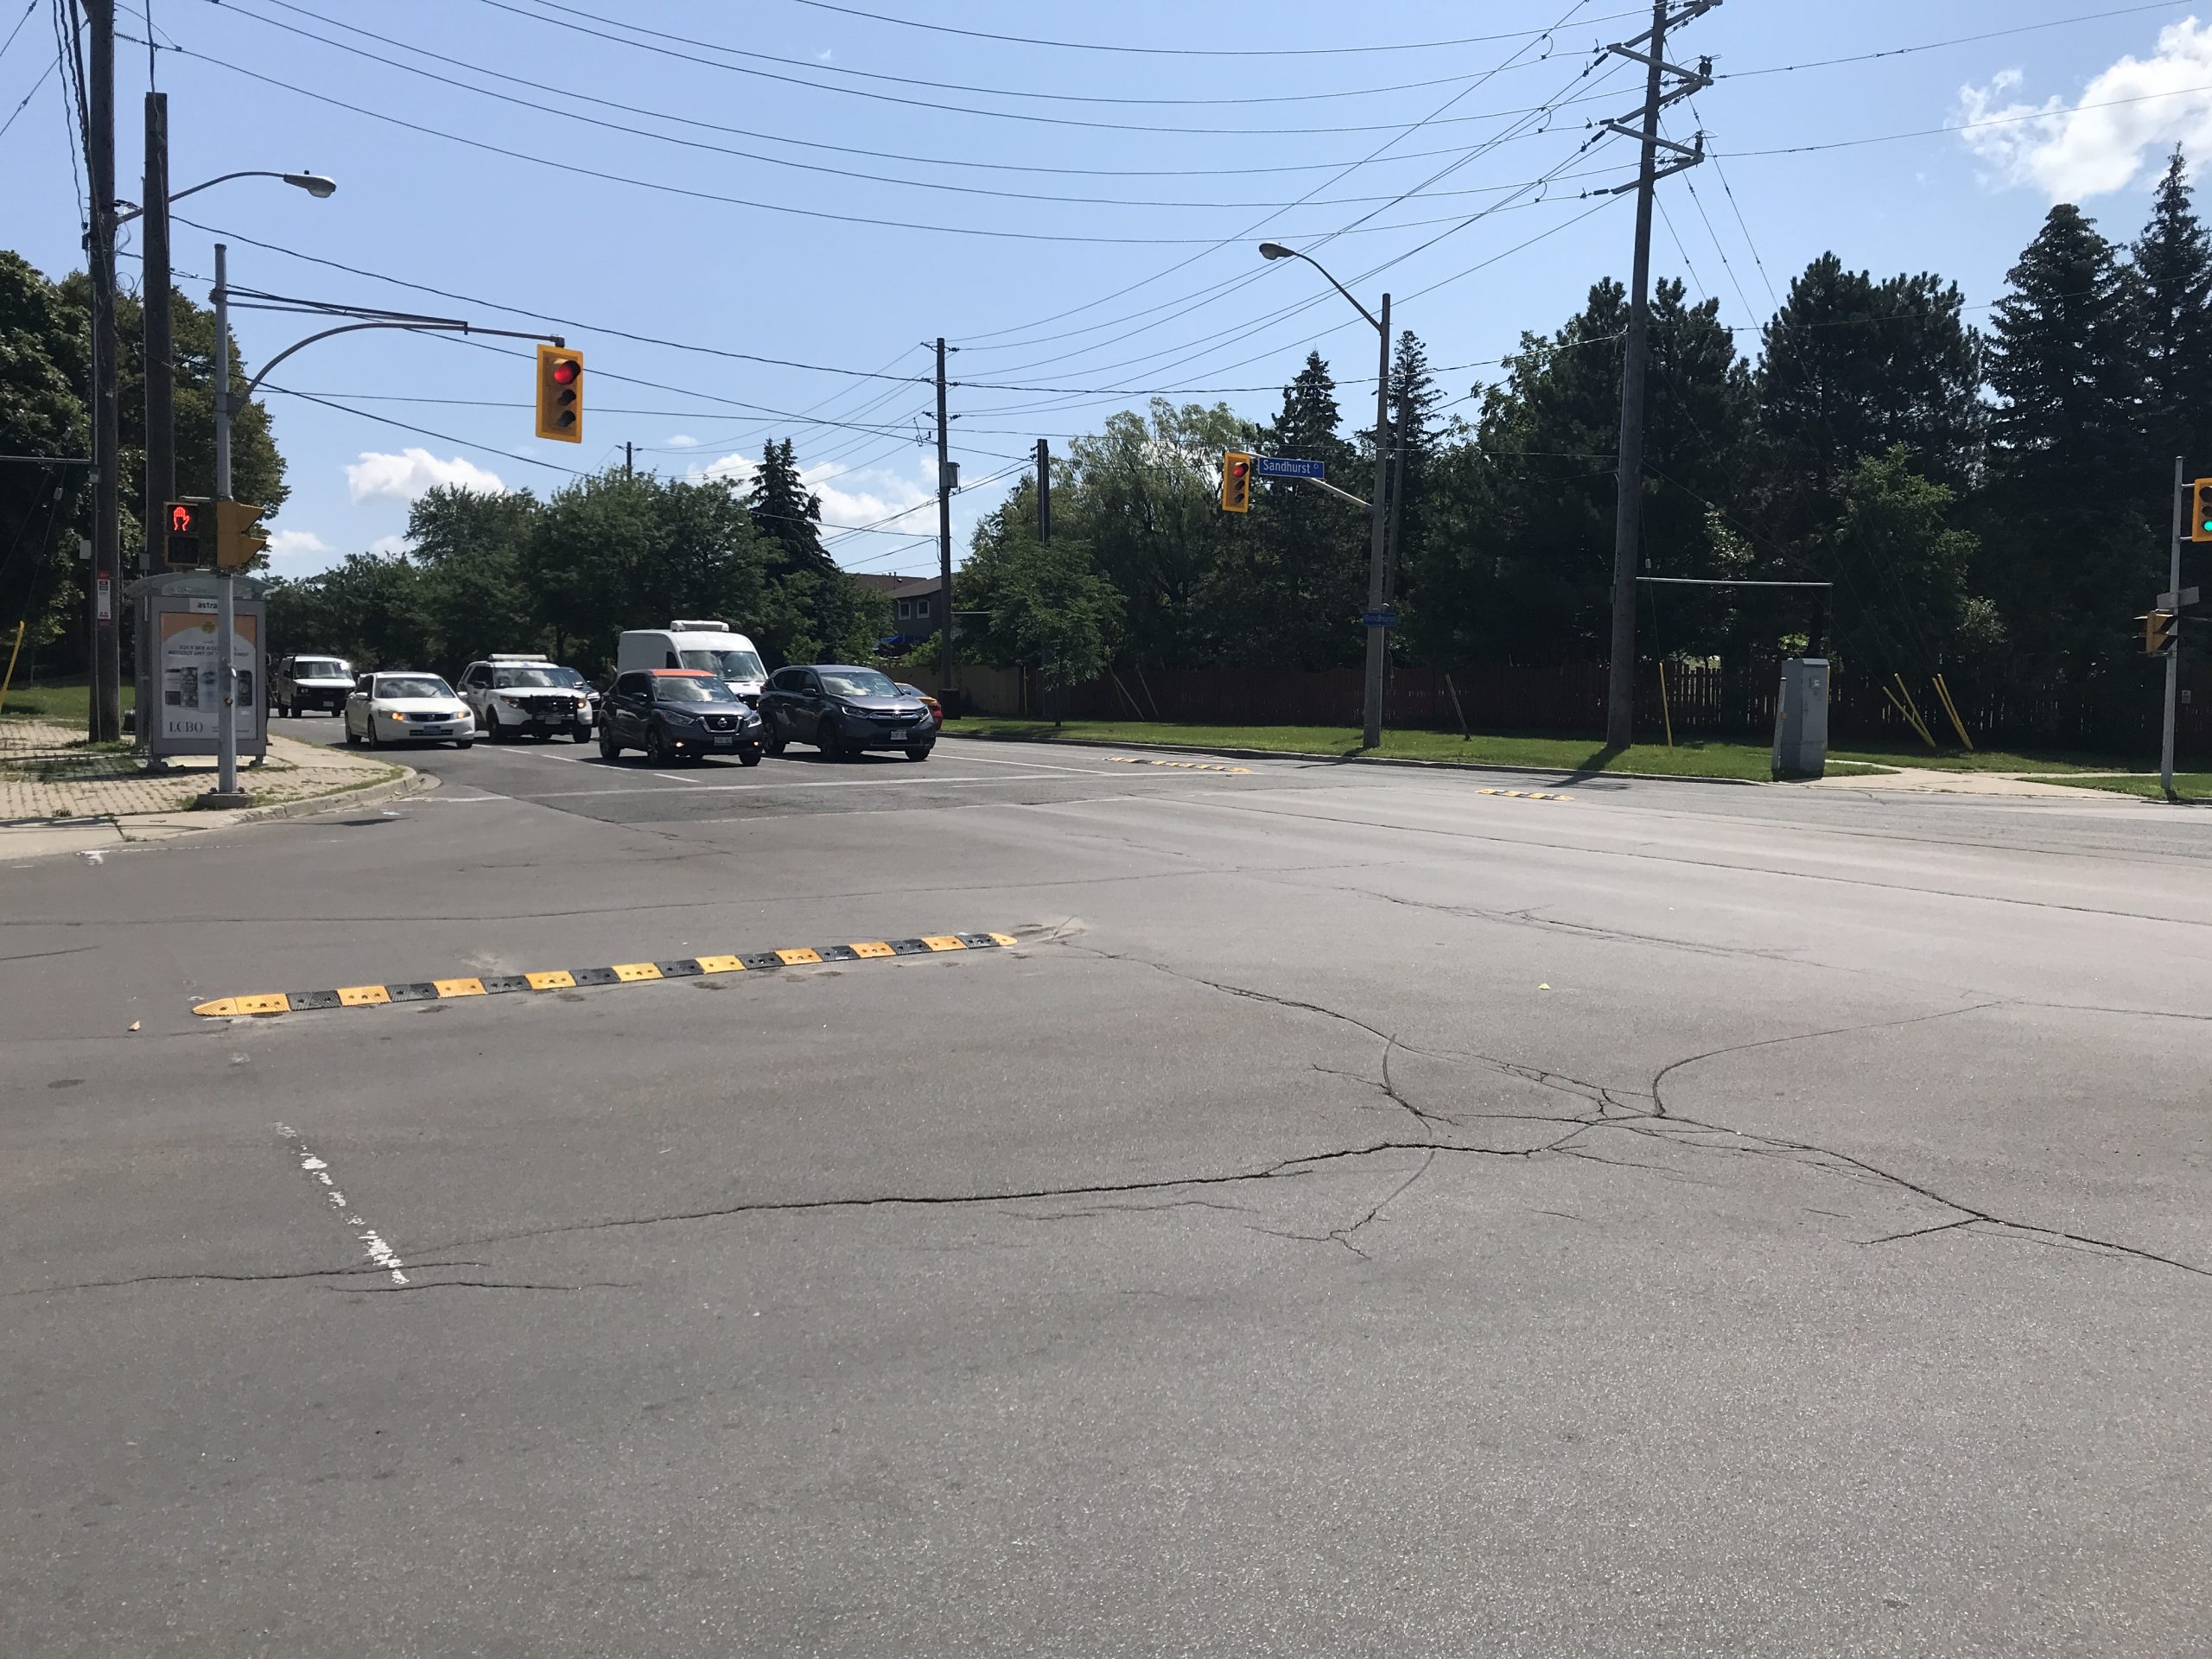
[515, 694]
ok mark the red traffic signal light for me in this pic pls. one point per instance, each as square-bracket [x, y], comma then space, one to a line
[560, 394]
[1236, 482]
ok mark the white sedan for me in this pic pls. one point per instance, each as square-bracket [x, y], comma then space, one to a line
[407, 708]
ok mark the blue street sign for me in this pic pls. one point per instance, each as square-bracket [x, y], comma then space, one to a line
[1273, 466]
[1381, 619]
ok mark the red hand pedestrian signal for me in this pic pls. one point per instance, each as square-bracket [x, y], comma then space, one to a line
[183, 517]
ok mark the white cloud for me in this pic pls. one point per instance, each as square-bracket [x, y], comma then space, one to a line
[2073, 151]
[295, 543]
[859, 497]
[385, 546]
[413, 473]
[681, 441]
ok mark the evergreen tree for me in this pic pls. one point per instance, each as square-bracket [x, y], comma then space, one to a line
[1414, 399]
[2066, 544]
[2172, 326]
[787, 514]
[1286, 582]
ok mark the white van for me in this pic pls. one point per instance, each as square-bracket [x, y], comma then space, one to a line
[696, 643]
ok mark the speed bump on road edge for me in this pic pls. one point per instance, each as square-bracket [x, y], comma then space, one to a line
[1180, 765]
[1525, 794]
[623, 973]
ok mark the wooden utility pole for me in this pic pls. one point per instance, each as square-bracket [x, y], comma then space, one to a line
[943, 541]
[1628, 501]
[105, 724]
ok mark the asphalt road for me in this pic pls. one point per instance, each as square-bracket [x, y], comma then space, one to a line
[1362, 1215]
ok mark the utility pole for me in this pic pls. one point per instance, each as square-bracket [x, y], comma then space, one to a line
[1044, 492]
[105, 723]
[1628, 501]
[161, 389]
[944, 540]
[1378, 550]
[2173, 652]
[629, 459]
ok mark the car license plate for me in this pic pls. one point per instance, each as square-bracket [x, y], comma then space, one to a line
[725, 742]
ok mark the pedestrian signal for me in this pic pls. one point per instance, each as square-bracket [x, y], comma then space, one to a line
[2158, 632]
[182, 545]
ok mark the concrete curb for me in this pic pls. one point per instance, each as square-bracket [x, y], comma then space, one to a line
[409, 782]
[1354, 760]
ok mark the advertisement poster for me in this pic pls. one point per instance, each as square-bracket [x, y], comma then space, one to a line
[191, 699]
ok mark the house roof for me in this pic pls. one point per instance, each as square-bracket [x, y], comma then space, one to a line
[898, 586]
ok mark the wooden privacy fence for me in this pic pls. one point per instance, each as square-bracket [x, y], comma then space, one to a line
[1569, 700]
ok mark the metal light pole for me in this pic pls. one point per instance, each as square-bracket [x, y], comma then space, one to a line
[227, 616]
[1378, 633]
[160, 369]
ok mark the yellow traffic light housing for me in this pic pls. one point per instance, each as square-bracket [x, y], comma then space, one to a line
[238, 538]
[1236, 482]
[2200, 511]
[187, 536]
[561, 394]
[2158, 632]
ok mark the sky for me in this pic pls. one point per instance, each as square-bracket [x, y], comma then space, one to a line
[756, 219]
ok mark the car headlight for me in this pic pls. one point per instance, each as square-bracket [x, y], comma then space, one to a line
[394, 714]
[679, 717]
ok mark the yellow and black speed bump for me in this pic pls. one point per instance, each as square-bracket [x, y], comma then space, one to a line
[1180, 765]
[622, 973]
[1525, 794]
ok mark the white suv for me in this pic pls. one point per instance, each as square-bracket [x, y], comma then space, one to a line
[514, 693]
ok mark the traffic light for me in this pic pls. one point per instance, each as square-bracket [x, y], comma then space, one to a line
[1236, 482]
[561, 394]
[2158, 632]
[238, 536]
[182, 545]
[2200, 511]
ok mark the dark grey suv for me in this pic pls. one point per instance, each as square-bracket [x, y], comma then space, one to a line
[842, 710]
[677, 714]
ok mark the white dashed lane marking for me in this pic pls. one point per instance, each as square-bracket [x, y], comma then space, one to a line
[318, 1172]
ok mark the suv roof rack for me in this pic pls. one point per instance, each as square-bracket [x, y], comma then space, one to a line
[701, 623]
[519, 657]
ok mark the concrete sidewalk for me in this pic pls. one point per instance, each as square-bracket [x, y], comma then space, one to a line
[1929, 780]
[59, 795]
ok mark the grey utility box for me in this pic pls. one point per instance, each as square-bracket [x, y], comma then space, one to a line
[1801, 719]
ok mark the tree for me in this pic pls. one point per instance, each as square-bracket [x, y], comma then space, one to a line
[1414, 398]
[473, 545]
[1143, 497]
[1050, 608]
[2172, 329]
[1901, 565]
[44, 367]
[1289, 587]
[2066, 544]
[814, 611]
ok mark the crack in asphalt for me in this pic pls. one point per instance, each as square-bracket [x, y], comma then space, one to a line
[1659, 1103]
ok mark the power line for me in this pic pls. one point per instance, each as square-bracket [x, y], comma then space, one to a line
[1937, 46]
[822, 69]
[23, 103]
[1969, 126]
[564, 96]
[1191, 51]
[18, 28]
[545, 317]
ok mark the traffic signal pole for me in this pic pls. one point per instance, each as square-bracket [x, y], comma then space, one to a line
[1378, 635]
[226, 614]
[2173, 652]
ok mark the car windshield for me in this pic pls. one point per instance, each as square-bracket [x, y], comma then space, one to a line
[412, 685]
[688, 689]
[504, 678]
[322, 668]
[730, 665]
[857, 683]
[567, 677]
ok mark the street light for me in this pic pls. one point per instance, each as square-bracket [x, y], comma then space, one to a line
[1378, 632]
[313, 183]
[160, 374]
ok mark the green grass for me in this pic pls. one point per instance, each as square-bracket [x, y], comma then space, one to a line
[2188, 786]
[1691, 758]
[67, 701]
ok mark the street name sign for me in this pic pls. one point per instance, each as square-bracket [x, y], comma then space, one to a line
[1275, 467]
